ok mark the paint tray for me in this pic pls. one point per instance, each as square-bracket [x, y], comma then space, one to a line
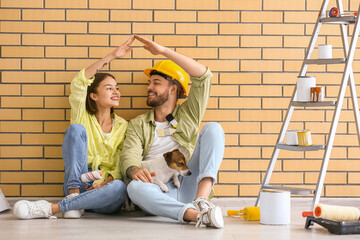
[346, 227]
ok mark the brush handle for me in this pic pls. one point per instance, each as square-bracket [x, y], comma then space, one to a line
[235, 212]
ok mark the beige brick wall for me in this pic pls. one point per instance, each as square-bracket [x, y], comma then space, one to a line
[254, 47]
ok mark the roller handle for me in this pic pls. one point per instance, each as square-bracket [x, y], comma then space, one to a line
[309, 213]
[235, 212]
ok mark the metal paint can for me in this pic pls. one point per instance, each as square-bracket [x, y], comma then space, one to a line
[304, 138]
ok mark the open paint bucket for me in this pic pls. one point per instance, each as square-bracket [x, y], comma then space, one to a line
[274, 207]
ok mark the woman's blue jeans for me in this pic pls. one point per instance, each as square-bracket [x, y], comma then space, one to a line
[204, 162]
[107, 199]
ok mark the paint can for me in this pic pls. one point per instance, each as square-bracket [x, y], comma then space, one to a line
[325, 51]
[274, 207]
[303, 85]
[317, 94]
[291, 137]
[304, 138]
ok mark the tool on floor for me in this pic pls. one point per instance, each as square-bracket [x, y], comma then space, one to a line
[248, 213]
[336, 213]
[347, 79]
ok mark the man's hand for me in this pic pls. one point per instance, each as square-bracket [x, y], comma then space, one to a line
[151, 46]
[97, 185]
[142, 174]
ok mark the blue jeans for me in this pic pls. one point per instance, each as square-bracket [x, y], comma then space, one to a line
[204, 162]
[107, 199]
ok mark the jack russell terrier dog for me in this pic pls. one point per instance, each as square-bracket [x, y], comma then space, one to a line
[169, 166]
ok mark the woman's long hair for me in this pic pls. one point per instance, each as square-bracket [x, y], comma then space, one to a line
[91, 104]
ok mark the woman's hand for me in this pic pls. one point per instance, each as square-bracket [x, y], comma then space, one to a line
[151, 46]
[124, 48]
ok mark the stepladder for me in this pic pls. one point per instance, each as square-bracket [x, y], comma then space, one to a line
[343, 20]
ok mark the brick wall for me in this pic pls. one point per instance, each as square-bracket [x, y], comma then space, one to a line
[254, 48]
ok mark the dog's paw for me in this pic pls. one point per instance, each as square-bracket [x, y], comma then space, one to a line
[177, 184]
[165, 189]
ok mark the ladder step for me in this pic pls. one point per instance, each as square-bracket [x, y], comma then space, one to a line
[300, 148]
[339, 20]
[313, 104]
[293, 190]
[325, 61]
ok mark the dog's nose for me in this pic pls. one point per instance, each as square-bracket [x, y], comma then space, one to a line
[189, 173]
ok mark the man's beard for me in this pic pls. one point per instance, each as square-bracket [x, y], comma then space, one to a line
[158, 100]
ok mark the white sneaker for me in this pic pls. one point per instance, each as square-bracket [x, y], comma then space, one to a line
[210, 215]
[24, 209]
[73, 214]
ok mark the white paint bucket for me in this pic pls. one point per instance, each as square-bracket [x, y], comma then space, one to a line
[274, 207]
[303, 86]
[325, 51]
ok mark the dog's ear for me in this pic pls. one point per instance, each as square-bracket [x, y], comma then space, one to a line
[168, 157]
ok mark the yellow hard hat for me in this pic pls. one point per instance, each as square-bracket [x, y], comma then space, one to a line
[172, 70]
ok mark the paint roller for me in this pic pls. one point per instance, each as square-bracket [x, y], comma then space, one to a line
[335, 213]
[248, 213]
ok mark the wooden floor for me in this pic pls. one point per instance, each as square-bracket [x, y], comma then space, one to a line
[138, 226]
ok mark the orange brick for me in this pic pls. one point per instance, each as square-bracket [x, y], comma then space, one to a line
[156, 4]
[66, 4]
[9, 89]
[219, 90]
[280, 29]
[20, 126]
[130, 65]
[221, 65]
[214, 16]
[300, 41]
[283, 53]
[10, 39]
[336, 152]
[66, 52]
[131, 15]
[53, 152]
[260, 91]
[42, 14]
[10, 164]
[175, 16]
[261, 17]
[226, 190]
[231, 140]
[294, 66]
[330, 178]
[110, 4]
[22, 77]
[9, 139]
[262, 65]
[42, 165]
[324, 127]
[9, 64]
[257, 165]
[287, 5]
[42, 139]
[78, 64]
[240, 78]
[261, 41]
[239, 28]
[21, 177]
[21, 4]
[140, 53]
[280, 78]
[56, 127]
[249, 190]
[65, 27]
[285, 178]
[240, 127]
[23, 52]
[301, 165]
[43, 190]
[22, 102]
[196, 28]
[87, 15]
[353, 178]
[218, 41]
[242, 152]
[42, 90]
[10, 190]
[21, 27]
[10, 14]
[243, 53]
[260, 115]
[43, 114]
[110, 28]
[240, 103]
[59, 77]
[198, 53]
[218, 115]
[341, 165]
[275, 103]
[43, 64]
[150, 28]
[239, 177]
[10, 114]
[274, 127]
[240, 5]
[257, 139]
[19, 152]
[300, 17]
[57, 102]
[342, 191]
[175, 40]
[53, 177]
[43, 39]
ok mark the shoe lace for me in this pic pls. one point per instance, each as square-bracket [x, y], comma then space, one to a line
[40, 210]
[202, 203]
[202, 219]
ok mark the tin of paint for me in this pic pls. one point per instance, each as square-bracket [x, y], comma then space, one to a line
[317, 94]
[325, 51]
[274, 207]
[291, 137]
[303, 86]
[304, 138]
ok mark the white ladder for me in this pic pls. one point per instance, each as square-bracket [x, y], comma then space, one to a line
[347, 79]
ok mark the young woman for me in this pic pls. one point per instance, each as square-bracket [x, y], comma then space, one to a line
[92, 142]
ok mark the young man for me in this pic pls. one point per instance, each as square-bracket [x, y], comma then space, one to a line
[154, 133]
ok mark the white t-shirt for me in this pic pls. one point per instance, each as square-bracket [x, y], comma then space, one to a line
[163, 145]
